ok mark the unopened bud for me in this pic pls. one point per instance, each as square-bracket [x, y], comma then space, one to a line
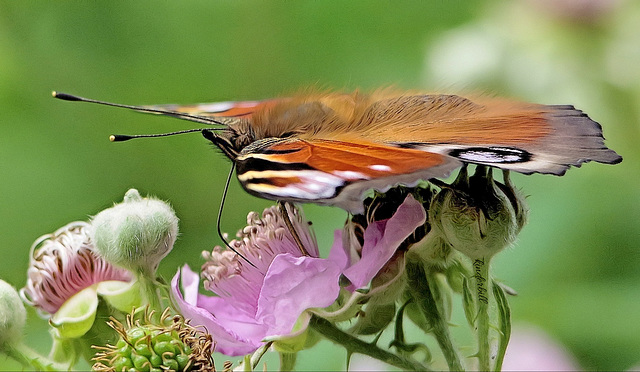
[135, 234]
[475, 216]
[12, 315]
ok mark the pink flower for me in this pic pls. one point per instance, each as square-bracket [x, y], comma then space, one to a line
[66, 277]
[266, 301]
[63, 264]
[256, 303]
[381, 240]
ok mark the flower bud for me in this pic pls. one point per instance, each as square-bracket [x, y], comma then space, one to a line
[135, 234]
[12, 315]
[475, 216]
[170, 344]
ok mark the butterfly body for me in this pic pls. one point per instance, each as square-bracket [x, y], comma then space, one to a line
[330, 148]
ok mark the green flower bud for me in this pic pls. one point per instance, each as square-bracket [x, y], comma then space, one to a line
[169, 343]
[135, 234]
[475, 216]
[12, 315]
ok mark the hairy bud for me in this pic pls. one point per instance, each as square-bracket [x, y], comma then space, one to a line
[135, 234]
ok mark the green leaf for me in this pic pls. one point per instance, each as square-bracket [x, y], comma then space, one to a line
[504, 324]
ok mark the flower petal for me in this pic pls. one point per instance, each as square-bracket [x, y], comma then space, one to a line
[382, 238]
[76, 316]
[296, 340]
[231, 338]
[292, 285]
[338, 252]
[124, 296]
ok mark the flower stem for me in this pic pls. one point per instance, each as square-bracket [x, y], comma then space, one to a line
[421, 292]
[150, 289]
[29, 357]
[287, 361]
[481, 283]
[355, 345]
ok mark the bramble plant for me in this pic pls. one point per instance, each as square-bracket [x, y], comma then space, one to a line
[401, 262]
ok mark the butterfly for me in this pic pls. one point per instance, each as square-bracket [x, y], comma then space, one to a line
[330, 148]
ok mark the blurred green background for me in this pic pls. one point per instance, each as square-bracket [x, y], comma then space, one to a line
[576, 265]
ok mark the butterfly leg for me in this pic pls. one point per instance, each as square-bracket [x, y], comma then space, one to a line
[462, 178]
[294, 233]
[516, 198]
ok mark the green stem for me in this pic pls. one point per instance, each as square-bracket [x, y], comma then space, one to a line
[355, 345]
[287, 361]
[29, 357]
[65, 350]
[150, 290]
[481, 284]
[418, 286]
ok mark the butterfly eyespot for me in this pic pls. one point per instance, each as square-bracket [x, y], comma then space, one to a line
[491, 154]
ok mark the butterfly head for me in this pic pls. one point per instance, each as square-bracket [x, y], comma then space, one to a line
[231, 140]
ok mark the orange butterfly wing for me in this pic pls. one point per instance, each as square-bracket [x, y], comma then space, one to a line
[337, 146]
[333, 172]
[517, 136]
[329, 148]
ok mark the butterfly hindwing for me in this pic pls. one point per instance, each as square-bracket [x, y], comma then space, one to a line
[519, 136]
[524, 137]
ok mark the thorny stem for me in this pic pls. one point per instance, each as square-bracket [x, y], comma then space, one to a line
[418, 286]
[355, 345]
[481, 283]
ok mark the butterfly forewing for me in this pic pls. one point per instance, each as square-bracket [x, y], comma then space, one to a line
[332, 172]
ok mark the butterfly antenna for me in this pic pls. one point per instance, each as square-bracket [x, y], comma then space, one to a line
[126, 137]
[175, 114]
[224, 197]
